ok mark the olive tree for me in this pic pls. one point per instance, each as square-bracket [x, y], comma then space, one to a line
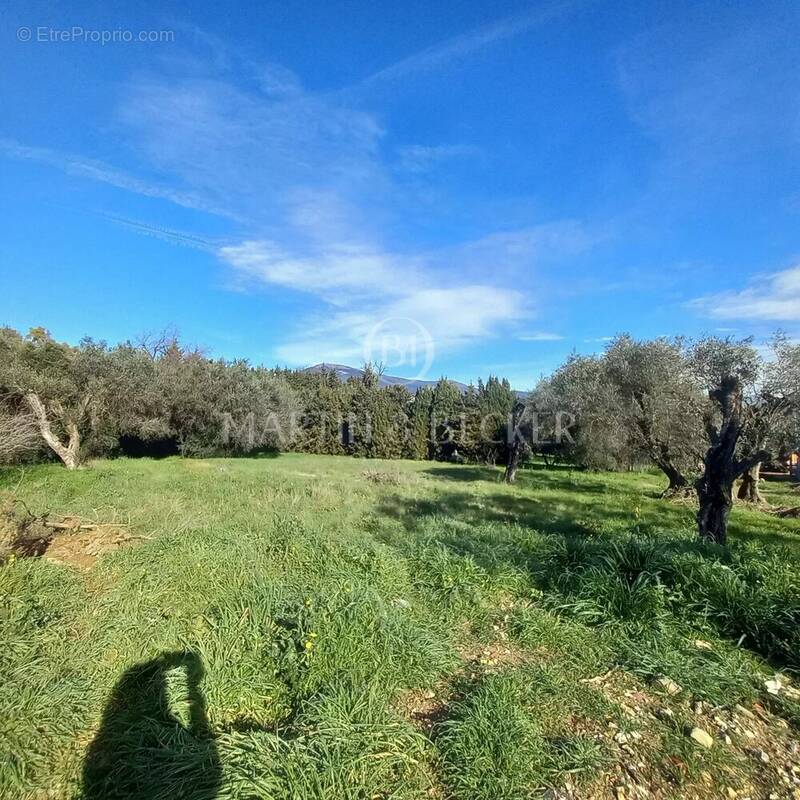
[578, 407]
[731, 372]
[61, 385]
[660, 404]
[773, 418]
[216, 406]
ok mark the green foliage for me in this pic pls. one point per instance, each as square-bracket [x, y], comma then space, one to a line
[101, 394]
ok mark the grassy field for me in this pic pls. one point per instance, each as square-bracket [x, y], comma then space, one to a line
[322, 627]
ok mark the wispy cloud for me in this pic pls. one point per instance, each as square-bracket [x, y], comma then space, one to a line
[310, 186]
[541, 336]
[421, 158]
[514, 252]
[368, 288]
[459, 47]
[94, 170]
[718, 91]
[341, 273]
[249, 152]
[159, 232]
[773, 298]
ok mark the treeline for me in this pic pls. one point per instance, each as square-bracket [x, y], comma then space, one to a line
[362, 418]
[157, 396]
[706, 413]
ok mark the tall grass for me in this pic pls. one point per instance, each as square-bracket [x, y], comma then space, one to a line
[314, 600]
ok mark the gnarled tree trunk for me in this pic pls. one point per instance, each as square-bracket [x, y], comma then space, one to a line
[715, 494]
[659, 450]
[715, 487]
[69, 453]
[514, 454]
[677, 481]
[516, 443]
[748, 490]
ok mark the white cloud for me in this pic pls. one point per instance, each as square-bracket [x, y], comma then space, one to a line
[774, 298]
[428, 299]
[375, 293]
[342, 271]
[406, 333]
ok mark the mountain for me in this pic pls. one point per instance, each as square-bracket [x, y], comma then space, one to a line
[343, 372]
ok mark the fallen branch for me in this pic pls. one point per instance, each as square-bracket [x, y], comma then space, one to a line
[83, 526]
[786, 512]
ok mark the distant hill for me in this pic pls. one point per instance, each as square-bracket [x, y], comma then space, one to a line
[343, 372]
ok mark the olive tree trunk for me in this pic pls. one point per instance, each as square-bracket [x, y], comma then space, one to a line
[677, 480]
[514, 455]
[659, 450]
[716, 498]
[517, 446]
[748, 490]
[69, 453]
[715, 487]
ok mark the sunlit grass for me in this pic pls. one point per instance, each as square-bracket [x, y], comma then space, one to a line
[316, 592]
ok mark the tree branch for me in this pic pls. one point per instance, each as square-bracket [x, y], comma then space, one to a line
[740, 467]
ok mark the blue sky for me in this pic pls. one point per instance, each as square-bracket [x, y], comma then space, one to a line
[456, 188]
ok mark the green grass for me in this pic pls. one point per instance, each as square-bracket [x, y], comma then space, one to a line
[264, 639]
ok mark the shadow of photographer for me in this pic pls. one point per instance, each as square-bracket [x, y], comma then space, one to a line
[154, 740]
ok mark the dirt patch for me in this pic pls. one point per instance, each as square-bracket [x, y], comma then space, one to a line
[21, 533]
[650, 744]
[492, 657]
[67, 540]
[425, 708]
[82, 548]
